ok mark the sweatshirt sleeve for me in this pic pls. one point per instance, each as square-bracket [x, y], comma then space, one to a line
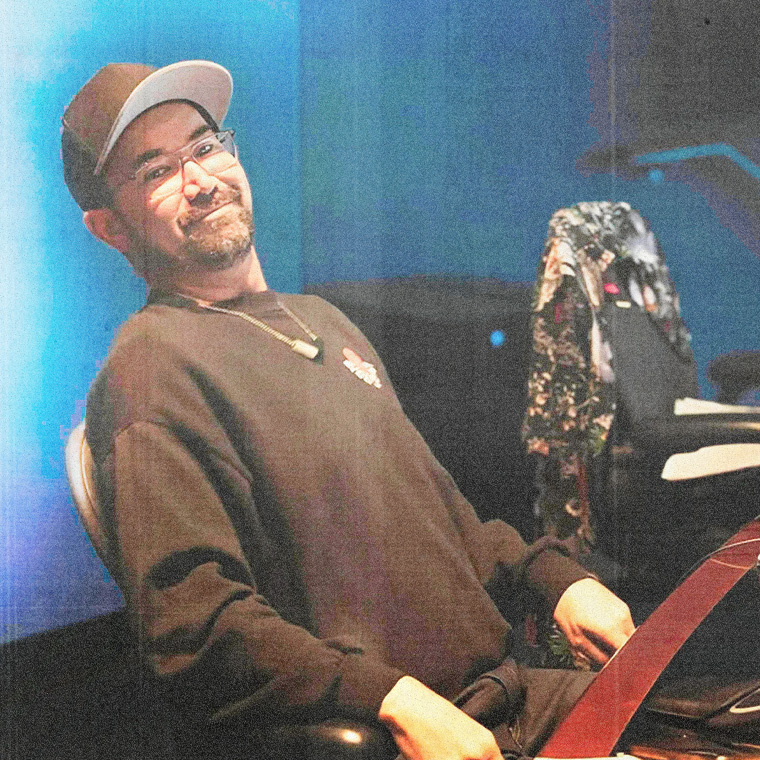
[504, 563]
[214, 642]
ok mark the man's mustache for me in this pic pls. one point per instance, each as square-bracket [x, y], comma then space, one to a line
[202, 208]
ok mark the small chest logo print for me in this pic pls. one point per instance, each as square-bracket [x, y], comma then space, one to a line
[363, 370]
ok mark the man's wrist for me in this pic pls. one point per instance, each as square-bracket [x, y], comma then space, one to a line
[551, 572]
[399, 699]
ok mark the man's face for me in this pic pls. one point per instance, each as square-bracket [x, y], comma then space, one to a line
[197, 220]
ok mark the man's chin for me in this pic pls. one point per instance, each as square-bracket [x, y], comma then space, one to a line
[218, 260]
[222, 242]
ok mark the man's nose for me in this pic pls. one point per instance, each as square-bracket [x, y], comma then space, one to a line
[196, 180]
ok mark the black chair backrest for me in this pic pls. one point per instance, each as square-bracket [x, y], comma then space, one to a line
[649, 373]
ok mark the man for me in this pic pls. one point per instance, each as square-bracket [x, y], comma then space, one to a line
[286, 541]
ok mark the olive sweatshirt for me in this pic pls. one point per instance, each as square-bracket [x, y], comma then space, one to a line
[284, 537]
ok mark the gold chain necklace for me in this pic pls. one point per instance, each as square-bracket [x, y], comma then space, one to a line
[311, 351]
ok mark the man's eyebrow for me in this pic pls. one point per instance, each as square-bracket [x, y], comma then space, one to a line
[147, 155]
[200, 131]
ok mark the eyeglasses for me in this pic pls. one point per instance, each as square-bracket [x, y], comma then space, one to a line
[214, 152]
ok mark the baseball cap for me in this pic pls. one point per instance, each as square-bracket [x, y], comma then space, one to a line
[114, 98]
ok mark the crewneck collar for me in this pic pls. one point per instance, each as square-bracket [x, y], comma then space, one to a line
[260, 302]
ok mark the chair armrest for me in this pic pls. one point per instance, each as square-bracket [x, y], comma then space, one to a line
[330, 740]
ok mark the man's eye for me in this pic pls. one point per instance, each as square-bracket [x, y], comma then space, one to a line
[206, 149]
[153, 173]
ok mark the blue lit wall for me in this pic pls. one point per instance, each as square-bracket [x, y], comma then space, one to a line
[441, 137]
[65, 293]
[440, 141]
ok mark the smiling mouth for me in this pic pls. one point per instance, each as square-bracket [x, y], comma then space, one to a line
[199, 216]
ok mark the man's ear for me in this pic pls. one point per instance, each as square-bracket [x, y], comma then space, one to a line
[106, 226]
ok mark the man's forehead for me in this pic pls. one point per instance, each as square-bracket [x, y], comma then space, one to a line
[163, 128]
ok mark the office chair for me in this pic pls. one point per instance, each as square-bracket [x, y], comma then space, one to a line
[81, 477]
[611, 355]
[335, 739]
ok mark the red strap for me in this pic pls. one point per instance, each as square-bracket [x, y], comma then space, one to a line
[596, 722]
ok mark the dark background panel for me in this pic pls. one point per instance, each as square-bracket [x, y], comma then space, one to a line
[457, 351]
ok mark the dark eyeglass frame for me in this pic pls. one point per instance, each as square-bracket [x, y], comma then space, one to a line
[226, 138]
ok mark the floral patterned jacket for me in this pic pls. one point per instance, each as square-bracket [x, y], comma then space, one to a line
[595, 252]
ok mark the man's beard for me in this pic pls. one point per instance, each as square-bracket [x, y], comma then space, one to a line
[215, 244]
[222, 242]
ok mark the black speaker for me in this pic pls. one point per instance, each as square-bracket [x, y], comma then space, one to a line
[457, 352]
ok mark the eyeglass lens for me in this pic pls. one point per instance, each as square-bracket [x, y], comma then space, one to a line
[214, 153]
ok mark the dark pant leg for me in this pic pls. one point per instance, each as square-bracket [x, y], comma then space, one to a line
[550, 694]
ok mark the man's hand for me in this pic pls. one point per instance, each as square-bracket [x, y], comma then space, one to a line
[428, 727]
[594, 620]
